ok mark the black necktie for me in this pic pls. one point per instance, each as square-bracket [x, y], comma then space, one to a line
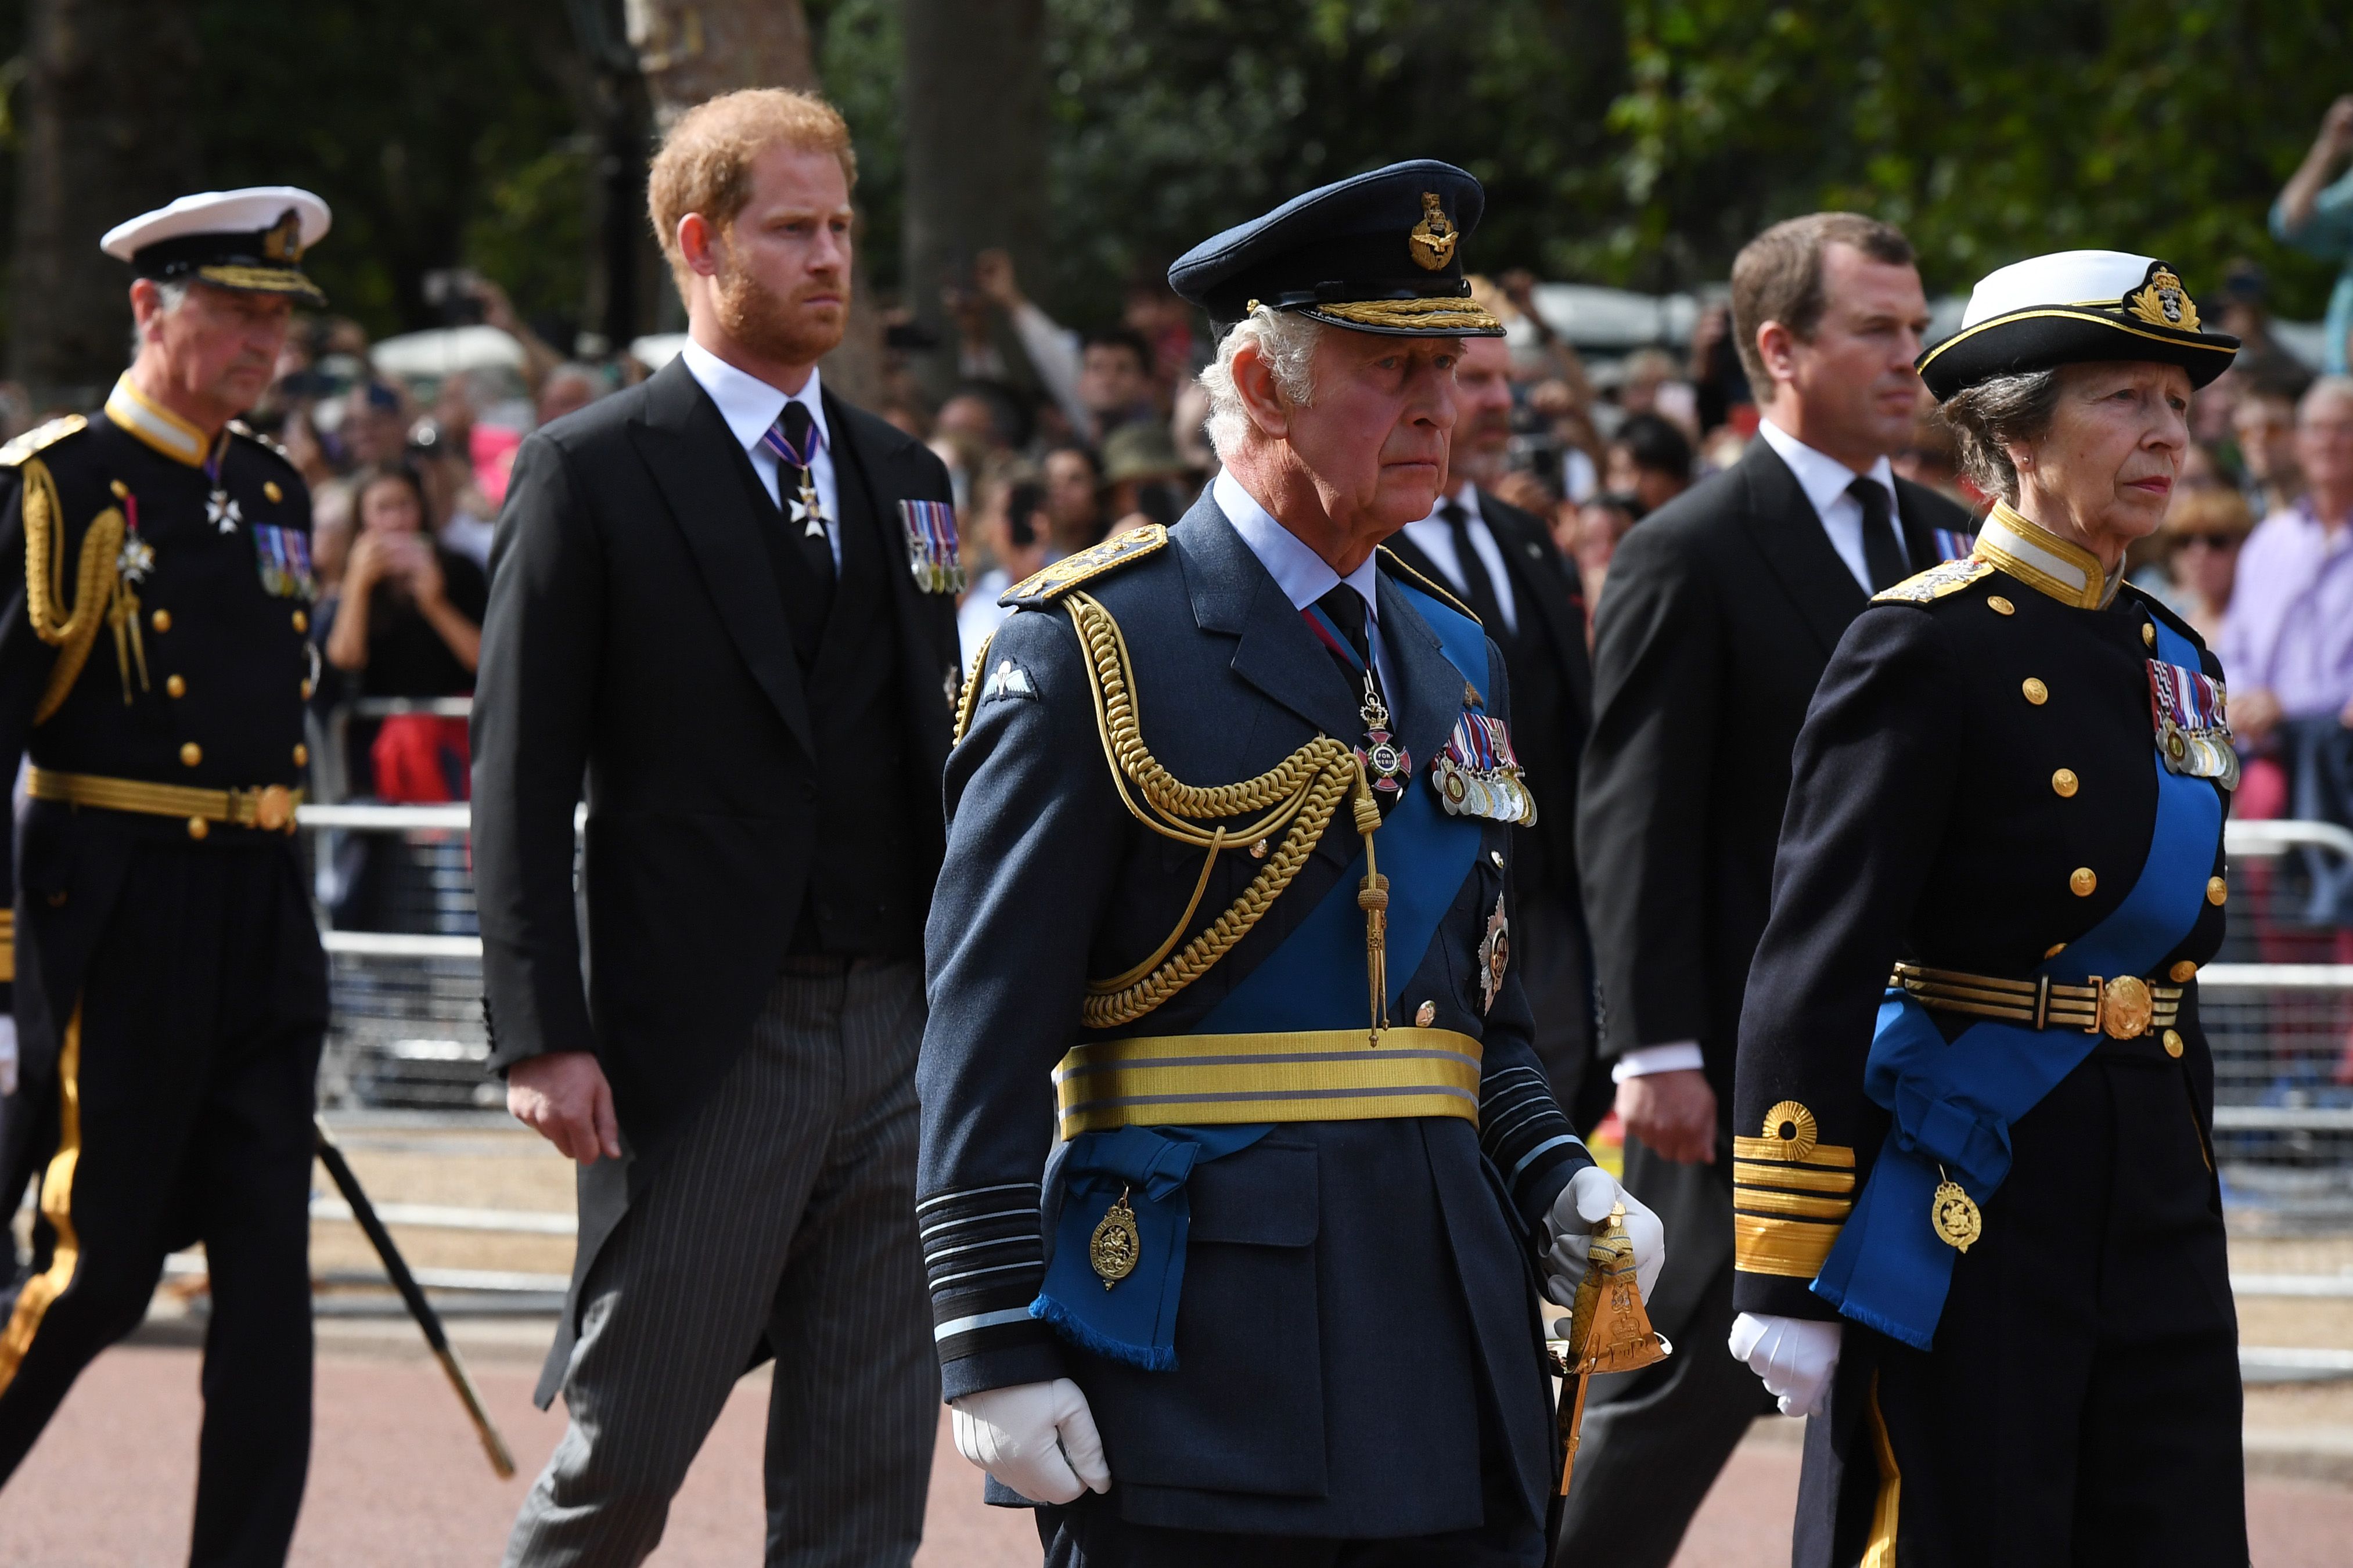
[1478, 588]
[1882, 553]
[1346, 608]
[797, 493]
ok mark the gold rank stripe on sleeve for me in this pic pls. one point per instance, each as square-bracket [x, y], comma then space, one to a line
[8, 945]
[1793, 1248]
[1785, 1218]
[1799, 1178]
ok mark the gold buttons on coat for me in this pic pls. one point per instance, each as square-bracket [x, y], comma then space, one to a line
[2147, 634]
[269, 487]
[2172, 1042]
[2036, 692]
[1999, 606]
[2063, 783]
[1497, 857]
[160, 620]
[175, 687]
[1258, 851]
[199, 828]
[2054, 950]
[2183, 972]
[2217, 889]
[301, 622]
[190, 755]
[2081, 882]
[119, 487]
[1425, 1015]
[302, 753]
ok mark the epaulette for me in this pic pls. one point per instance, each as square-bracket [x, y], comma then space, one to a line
[239, 428]
[41, 435]
[1043, 588]
[1926, 587]
[1438, 591]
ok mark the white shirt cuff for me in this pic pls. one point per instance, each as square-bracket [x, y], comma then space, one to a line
[1679, 1056]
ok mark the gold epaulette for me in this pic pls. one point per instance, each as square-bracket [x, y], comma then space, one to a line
[1790, 1196]
[40, 436]
[239, 428]
[1044, 587]
[1436, 590]
[1926, 587]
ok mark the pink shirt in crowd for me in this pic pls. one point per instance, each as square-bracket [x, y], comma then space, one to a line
[2290, 626]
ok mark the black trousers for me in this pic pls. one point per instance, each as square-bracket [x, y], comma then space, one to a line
[180, 1110]
[2082, 1405]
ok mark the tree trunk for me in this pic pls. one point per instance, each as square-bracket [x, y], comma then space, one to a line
[975, 90]
[106, 137]
[690, 50]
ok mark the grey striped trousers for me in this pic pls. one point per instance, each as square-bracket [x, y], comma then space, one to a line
[787, 1210]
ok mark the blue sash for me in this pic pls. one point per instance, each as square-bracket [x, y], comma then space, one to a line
[1953, 1105]
[1313, 980]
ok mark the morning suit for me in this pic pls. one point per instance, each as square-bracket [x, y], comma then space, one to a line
[1355, 1354]
[1720, 613]
[757, 729]
[1542, 635]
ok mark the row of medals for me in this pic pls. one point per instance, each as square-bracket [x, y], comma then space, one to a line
[1470, 792]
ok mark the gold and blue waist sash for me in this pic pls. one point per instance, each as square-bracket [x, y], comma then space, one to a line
[1318, 1075]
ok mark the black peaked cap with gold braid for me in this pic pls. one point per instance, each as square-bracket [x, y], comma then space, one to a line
[2071, 307]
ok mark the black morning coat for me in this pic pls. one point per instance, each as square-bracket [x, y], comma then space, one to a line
[1356, 1343]
[636, 645]
[1720, 612]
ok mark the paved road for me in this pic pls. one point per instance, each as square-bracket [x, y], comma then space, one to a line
[396, 1482]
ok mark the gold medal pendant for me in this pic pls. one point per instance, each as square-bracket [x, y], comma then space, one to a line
[1954, 1214]
[1116, 1245]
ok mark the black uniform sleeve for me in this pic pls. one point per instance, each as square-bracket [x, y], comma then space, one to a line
[534, 699]
[25, 664]
[1036, 838]
[1873, 782]
[1656, 691]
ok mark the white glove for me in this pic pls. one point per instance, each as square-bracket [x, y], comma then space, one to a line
[1039, 1439]
[8, 1053]
[1795, 1356]
[1585, 1203]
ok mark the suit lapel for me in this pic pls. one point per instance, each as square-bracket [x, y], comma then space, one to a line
[1534, 578]
[1790, 535]
[693, 458]
[1233, 594]
[1919, 529]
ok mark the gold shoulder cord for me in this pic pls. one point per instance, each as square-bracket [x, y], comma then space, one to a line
[71, 629]
[1300, 793]
[971, 693]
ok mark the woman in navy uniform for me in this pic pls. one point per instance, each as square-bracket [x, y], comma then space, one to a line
[1978, 1225]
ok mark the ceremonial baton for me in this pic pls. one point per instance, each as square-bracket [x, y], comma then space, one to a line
[427, 1319]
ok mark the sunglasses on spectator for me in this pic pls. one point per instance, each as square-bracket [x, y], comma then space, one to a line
[2211, 540]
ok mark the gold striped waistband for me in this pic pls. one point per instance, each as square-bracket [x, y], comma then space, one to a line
[270, 809]
[2122, 1007]
[1320, 1075]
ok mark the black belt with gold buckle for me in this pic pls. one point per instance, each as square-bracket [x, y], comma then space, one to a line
[2123, 1006]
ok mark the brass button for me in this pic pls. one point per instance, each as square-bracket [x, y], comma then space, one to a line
[160, 620]
[2172, 1042]
[199, 828]
[2081, 882]
[2063, 783]
[1999, 606]
[190, 755]
[175, 687]
[306, 696]
[302, 753]
[1258, 851]
[2184, 971]
[2036, 692]
[301, 622]
[119, 487]
[2147, 634]
[2054, 950]
[2217, 889]
[1425, 1015]
[1497, 857]
[269, 487]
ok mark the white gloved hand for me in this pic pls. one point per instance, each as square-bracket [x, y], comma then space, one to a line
[1795, 1356]
[1039, 1439]
[8, 1053]
[1585, 1203]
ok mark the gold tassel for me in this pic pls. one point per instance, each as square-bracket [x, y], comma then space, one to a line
[1372, 898]
[1608, 1329]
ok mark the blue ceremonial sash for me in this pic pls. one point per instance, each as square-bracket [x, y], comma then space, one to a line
[1953, 1105]
[1313, 980]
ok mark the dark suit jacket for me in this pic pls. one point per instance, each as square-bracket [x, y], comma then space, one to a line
[1719, 615]
[636, 636]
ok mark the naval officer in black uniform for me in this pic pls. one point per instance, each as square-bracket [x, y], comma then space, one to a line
[1978, 1229]
[1238, 1171]
[169, 990]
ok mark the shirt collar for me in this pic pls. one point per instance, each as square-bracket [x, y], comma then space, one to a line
[1822, 476]
[1302, 574]
[747, 404]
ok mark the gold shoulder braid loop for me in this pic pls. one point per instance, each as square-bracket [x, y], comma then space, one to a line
[1300, 793]
[971, 693]
[72, 628]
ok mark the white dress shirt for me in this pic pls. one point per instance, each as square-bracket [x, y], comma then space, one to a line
[750, 406]
[1302, 574]
[1435, 540]
[1825, 480]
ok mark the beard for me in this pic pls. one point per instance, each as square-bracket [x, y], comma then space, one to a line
[777, 326]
